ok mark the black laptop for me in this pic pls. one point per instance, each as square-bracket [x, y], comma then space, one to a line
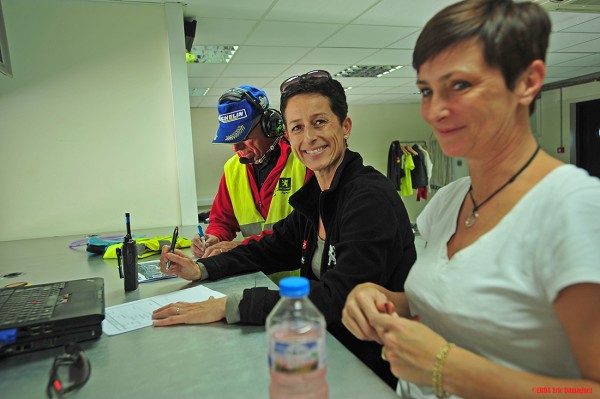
[48, 315]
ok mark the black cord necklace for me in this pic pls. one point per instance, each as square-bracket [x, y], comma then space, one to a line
[472, 218]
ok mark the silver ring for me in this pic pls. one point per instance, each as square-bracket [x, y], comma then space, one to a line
[177, 311]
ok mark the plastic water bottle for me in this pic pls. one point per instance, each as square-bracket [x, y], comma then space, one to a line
[296, 337]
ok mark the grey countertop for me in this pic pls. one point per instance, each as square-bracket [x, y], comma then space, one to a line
[201, 361]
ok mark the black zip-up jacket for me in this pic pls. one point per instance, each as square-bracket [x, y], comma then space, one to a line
[369, 239]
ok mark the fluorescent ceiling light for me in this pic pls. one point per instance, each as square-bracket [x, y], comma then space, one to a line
[213, 54]
[367, 71]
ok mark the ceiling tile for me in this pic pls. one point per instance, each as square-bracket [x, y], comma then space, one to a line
[327, 55]
[561, 40]
[282, 38]
[402, 12]
[403, 90]
[406, 72]
[558, 58]
[365, 90]
[370, 36]
[552, 80]
[300, 69]
[354, 82]
[589, 46]
[582, 71]
[205, 70]
[223, 84]
[271, 33]
[226, 8]
[389, 57]
[256, 70]
[391, 82]
[586, 61]
[269, 54]
[210, 31]
[566, 72]
[329, 11]
[202, 82]
[574, 22]
[589, 26]
[408, 42]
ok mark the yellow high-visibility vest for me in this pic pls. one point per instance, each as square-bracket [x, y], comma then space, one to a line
[249, 218]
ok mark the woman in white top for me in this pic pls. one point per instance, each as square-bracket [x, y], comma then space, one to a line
[507, 289]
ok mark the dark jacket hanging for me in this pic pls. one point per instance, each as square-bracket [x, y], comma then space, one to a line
[419, 173]
[394, 165]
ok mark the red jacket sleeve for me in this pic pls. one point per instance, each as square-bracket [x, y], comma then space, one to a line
[223, 223]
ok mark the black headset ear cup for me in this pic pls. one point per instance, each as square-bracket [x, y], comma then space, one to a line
[272, 123]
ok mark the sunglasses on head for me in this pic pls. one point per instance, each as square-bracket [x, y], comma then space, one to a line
[318, 74]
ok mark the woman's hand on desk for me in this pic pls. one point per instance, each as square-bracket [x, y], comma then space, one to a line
[205, 312]
[181, 265]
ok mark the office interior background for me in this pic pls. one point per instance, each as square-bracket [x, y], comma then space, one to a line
[102, 115]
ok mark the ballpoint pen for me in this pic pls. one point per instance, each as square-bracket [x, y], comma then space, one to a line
[173, 242]
[201, 234]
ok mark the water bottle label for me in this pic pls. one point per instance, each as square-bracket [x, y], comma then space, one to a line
[297, 357]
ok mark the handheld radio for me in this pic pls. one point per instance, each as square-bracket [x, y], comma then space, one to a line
[128, 252]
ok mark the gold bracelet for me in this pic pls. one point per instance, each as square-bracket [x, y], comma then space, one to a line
[437, 371]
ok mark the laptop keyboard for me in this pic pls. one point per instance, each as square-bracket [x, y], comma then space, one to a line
[27, 304]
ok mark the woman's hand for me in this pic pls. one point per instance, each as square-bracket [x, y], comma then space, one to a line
[181, 265]
[205, 312]
[409, 346]
[364, 301]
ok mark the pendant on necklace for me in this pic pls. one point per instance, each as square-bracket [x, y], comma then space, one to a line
[471, 219]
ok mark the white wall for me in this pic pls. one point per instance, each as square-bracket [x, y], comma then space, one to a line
[86, 123]
[209, 158]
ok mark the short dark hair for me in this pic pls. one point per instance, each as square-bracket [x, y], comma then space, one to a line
[332, 89]
[513, 35]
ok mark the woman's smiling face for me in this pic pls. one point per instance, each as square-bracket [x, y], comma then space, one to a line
[316, 135]
[466, 101]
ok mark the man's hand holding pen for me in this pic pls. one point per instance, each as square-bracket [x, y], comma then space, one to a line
[201, 242]
[205, 245]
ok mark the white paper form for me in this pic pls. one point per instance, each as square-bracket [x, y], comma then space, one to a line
[137, 314]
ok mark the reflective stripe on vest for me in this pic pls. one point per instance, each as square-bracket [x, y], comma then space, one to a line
[249, 218]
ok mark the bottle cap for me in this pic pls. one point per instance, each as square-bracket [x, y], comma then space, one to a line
[294, 287]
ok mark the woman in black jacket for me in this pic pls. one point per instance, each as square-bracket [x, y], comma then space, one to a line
[349, 226]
